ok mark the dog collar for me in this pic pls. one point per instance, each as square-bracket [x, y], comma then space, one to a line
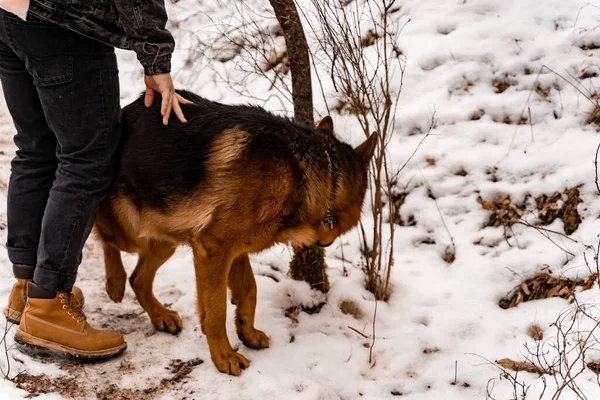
[328, 220]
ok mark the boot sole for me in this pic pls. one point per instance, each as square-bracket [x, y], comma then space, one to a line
[13, 316]
[27, 339]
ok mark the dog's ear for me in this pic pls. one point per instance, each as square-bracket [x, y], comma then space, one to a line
[367, 148]
[326, 123]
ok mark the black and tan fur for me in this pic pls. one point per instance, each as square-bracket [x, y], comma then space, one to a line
[234, 180]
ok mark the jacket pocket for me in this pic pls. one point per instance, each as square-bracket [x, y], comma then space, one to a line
[47, 49]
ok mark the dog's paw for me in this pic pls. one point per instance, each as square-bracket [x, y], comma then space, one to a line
[232, 363]
[254, 339]
[167, 321]
[115, 287]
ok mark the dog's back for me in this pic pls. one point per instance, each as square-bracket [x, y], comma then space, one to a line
[160, 163]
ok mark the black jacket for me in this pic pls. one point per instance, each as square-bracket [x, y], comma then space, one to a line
[137, 25]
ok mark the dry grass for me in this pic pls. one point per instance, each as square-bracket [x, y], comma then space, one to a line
[350, 307]
[509, 121]
[463, 87]
[36, 385]
[501, 84]
[594, 117]
[476, 116]
[542, 91]
[535, 332]
[590, 46]
[78, 387]
[587, 74]
[519, 366]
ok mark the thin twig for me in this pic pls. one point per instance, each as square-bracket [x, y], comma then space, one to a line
[357, 331]
[373, 342]
[596, 169]
[545, 232]
[530, 123]
[431, 126]
[439, 211]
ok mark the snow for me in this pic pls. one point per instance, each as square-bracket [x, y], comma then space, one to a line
[454, 50]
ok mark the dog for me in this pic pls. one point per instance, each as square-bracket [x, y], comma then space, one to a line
[234, 180]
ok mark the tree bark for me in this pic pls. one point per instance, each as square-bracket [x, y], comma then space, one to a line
[308, 263]
[297, 50]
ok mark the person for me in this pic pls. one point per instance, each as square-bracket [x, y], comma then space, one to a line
[59, 77]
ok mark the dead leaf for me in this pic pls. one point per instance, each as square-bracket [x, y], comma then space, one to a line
[543, 286]
[449, 254]
[535, 332]
[526, 366]
[504, 211]
[594, 366]
[369, 39]
[431, 350]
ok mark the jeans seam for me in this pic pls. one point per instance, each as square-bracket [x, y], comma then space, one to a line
[95, 172]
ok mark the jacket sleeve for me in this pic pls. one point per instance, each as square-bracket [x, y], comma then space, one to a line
[144, 23]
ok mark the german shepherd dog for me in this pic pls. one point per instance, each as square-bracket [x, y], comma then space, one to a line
[232, 181]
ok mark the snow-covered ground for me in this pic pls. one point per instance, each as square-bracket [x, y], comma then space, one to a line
[454, 51]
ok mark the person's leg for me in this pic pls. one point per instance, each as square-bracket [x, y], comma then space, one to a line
[33, 167]
[76, 80]
[79, 95]
[32, 172]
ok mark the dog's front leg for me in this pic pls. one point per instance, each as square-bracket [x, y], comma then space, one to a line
[243, 295]
[212, 269]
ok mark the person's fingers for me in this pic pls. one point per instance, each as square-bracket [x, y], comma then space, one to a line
[166, 105]
[182, 100]
[149, 98]
[178, 111]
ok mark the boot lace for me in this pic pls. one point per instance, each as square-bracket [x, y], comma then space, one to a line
[72, 306]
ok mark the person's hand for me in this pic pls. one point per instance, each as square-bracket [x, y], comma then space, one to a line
[163, 84]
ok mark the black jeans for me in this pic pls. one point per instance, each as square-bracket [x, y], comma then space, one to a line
[62, 91]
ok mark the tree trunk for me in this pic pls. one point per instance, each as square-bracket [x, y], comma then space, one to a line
[297, 50]
[308, 263]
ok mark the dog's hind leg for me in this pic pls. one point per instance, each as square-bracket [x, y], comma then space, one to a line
[116, 277]
[243, 295]
[150, 260]
[211, 265]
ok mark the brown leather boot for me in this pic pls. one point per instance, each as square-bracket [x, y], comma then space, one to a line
[59, 324]
[18, 298]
